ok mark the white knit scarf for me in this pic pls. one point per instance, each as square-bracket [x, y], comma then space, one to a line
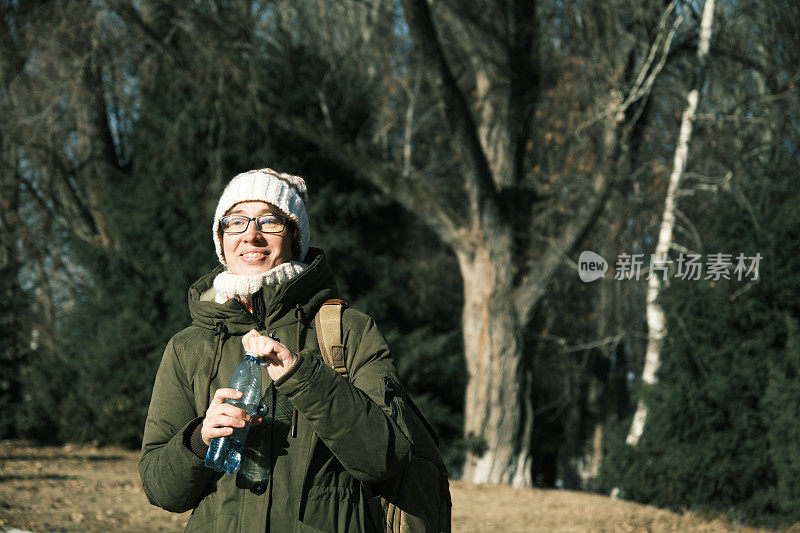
[229, 285]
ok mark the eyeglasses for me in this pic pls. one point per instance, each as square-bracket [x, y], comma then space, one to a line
[264, 223]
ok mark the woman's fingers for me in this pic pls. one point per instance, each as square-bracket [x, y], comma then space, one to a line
[227, 410]
[213, 433]
[251, 340]
[269, 359]
[226, 420]
[221, 419]
[246, 339]
[230, 410]
[223, 394]
[265, 347]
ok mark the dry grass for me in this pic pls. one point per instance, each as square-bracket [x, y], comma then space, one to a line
[81, 488]
[480, 508]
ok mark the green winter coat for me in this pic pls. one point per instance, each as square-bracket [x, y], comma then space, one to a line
[345, 432]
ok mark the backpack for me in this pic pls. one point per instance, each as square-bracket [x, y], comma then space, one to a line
[418, 498]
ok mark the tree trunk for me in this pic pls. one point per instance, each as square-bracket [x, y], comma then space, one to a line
[601, 391]
[12, 304]
[101, 161]
[497, 407]
[504, 277]
[656, 319]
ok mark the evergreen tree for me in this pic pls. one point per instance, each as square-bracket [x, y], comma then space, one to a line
[710, 444]
[13, 352]
[782, 409]
[189, 138]
[115, 337]
[160, 213]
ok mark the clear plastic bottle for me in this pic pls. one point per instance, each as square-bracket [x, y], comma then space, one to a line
[225, 453]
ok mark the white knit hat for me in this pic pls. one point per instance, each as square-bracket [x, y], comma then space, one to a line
[284, 191]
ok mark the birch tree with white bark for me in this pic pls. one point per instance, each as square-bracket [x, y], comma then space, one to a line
[656, 318]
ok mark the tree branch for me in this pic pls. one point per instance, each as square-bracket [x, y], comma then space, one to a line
[480, 187]
[524, 72]
[411, 194]
[534, 284]
[153, 39]
[12, 61]
[648, 72]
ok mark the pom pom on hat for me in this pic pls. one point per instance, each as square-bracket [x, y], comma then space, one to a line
[286, 192]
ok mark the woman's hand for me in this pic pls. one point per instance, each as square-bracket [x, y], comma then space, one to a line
[221, 418]
[278, 357]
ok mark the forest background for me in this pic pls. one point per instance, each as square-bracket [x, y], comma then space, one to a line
[460, 156]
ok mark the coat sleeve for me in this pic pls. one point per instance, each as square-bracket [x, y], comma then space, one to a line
[350, 416]
[173, 477]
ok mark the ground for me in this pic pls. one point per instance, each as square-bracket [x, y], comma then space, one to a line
[83, 488]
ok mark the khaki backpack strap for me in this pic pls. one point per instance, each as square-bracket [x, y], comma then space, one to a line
[328, 323]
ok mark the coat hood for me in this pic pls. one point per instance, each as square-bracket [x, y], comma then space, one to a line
[309, 290]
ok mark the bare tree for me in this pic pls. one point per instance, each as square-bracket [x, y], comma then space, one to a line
[58, 116]
[509, 227]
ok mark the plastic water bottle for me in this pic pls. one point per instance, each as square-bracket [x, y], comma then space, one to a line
[225, 453]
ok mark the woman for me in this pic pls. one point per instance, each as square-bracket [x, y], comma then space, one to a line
[320, 435]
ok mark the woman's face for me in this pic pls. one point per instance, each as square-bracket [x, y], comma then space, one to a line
[253, 252]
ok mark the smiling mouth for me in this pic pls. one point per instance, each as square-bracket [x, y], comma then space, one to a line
[255, 256]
